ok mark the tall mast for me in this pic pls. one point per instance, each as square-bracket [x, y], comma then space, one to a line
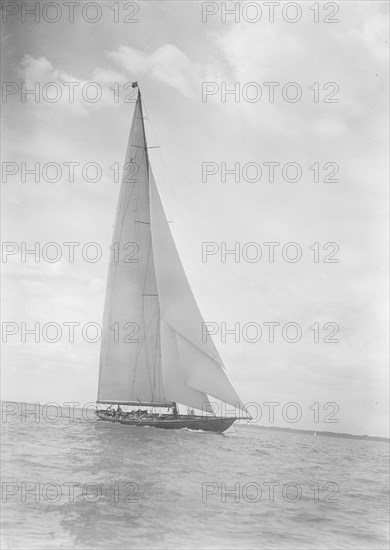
[174, 404]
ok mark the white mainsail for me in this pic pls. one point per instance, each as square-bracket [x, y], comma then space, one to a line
[167, 361]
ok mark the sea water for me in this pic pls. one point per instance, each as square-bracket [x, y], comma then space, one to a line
[77, 483]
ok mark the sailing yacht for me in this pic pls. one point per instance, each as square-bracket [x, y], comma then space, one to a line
[163, 362]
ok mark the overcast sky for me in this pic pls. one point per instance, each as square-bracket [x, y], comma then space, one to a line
[171, 52]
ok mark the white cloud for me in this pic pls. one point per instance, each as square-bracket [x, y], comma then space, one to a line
[167, 64]
[62, 94]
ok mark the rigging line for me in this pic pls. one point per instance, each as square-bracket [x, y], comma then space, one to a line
[126, 203]
[157, 388]
[146, 349]
[127, 155]
[147, 187]
[126, 198]
[149, 256]
[142, 343]
[158, 360]
[160, 189]
[140, 233]
[143, 314]
[140, 162]
[155, 321]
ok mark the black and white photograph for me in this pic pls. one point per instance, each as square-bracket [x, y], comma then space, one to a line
[194, 268]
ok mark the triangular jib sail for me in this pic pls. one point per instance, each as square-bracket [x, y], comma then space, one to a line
[152, 350]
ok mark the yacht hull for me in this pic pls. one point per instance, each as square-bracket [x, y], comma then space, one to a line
[207, 424]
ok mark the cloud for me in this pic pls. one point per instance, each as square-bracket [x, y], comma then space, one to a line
[60, 93]
[167, 64]
[254, 53]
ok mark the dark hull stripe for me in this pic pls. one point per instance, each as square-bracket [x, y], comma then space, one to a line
[217, 425]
